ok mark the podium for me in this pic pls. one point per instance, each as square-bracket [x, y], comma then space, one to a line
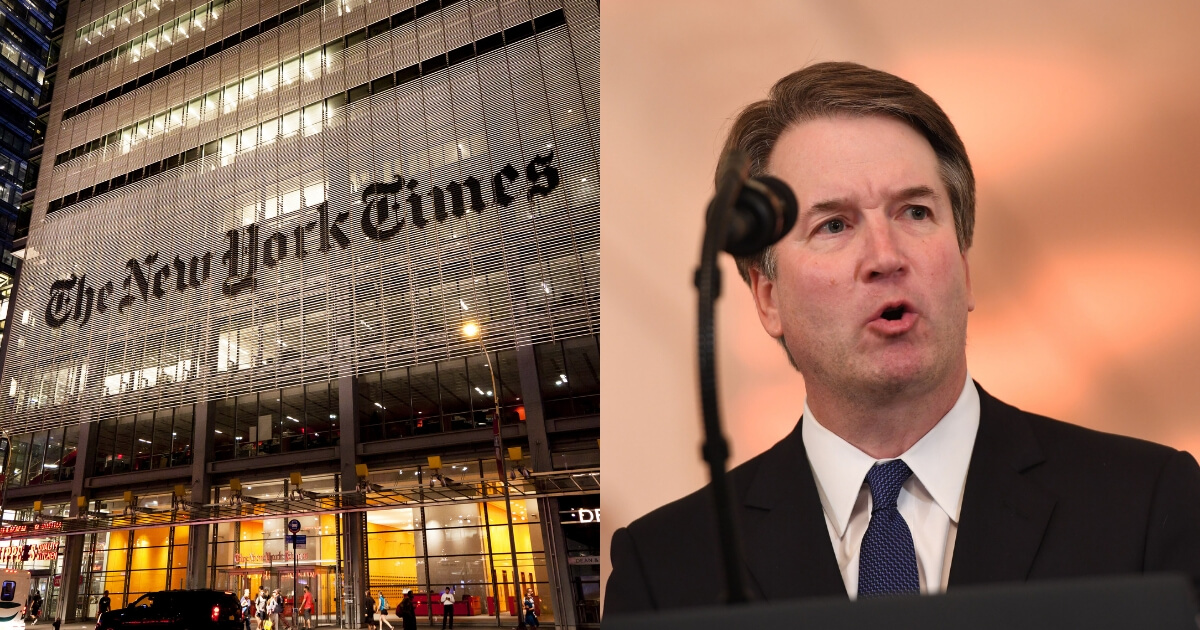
[1113, 603]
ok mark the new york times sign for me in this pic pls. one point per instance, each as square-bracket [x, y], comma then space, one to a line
[387, 208]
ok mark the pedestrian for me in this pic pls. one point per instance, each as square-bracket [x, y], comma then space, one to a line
[260, 607]
[306, 607]
[369, 610]
[383, 611]
[408, 611]
[35, 606]
[105, 605]
[246, 603]
[531, 618]
[447, 609]
[274, 608]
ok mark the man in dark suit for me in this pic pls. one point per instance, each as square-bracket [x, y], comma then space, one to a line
[904, 475]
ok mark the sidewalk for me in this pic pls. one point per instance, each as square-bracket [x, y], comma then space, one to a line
[478, 621]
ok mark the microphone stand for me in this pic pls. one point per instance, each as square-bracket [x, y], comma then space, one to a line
[716, 449]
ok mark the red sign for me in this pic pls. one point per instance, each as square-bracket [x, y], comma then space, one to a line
[31, 527]
[255, 558]
[21, 553]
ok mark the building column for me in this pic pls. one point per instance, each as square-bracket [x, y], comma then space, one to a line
[73, 551]
[202, 453]
[354, 525]
[539, 454]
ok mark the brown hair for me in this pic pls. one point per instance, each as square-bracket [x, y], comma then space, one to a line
[831, 88]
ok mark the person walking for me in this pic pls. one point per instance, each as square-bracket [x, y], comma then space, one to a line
[408, 612]
[369, 610]
[447, 609]
[307, 608]
[383, 612]
[35, 606]
[275, 608]
[531, 619]
[105, 605]
[260, 606]
[246, 603]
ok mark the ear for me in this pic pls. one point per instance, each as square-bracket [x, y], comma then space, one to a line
[967, 276]
[763, 290]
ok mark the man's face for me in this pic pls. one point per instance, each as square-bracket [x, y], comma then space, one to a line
[871, 292]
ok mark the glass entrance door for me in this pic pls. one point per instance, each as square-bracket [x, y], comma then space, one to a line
[321, 580]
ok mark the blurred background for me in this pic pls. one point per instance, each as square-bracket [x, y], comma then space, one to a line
[1082, 121]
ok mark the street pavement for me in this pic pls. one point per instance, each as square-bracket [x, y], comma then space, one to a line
[475, 622]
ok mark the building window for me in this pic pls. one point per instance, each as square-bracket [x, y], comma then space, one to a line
[145, 441]
[569, 377]
[277, 421]
[43, 457]
[450, 395]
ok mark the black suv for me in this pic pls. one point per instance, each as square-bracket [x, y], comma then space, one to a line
[177, 610]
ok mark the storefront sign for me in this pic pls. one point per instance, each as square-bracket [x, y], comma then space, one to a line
[23, 553]
[30, 527]
[584, 560]
[387, 207]
[581, 515]
[268, 558]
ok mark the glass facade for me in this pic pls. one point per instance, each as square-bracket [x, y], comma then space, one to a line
[131, 563]
[449, 395]
[252, 553]
[277, 421]
[570, 377]
[144, 441]
[466, 546]
[43, 457]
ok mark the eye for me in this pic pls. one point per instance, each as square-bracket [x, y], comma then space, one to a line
[833, 226]
[920, 213]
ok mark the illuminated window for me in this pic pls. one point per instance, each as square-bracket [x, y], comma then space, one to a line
[314, 194]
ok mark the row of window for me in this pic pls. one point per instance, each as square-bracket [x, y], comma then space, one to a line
[128, 13]
[144, 441]
[234, 143]
[208, 107]
[450, 395]
[42, 457]
[23, 13]
[22, 62]
[395, 21]
[303, 67]
[26, 95]
[10, 140]
[277, 421]
[195, 57]
[15, 30]
[158, 38]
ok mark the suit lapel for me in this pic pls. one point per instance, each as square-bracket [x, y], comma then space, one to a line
[1004, 514]
[788, 552]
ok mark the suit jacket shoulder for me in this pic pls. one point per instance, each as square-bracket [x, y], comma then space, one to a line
[1048, 499]
[669, 558]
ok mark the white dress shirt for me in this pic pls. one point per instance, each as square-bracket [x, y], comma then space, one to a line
[929, 500]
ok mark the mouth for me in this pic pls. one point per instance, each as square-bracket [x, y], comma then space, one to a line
[894, 318]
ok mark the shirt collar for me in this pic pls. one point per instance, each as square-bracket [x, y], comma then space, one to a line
[939, 460]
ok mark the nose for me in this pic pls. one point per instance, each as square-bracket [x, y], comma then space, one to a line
[882, 258]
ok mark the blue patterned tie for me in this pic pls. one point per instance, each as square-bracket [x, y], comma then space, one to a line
[887, 560]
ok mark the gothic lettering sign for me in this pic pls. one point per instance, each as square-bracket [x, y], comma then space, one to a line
[386, 208]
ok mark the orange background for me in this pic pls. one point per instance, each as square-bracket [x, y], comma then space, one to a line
[1082, 121]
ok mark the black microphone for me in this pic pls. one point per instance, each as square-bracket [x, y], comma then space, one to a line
[764, 209]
